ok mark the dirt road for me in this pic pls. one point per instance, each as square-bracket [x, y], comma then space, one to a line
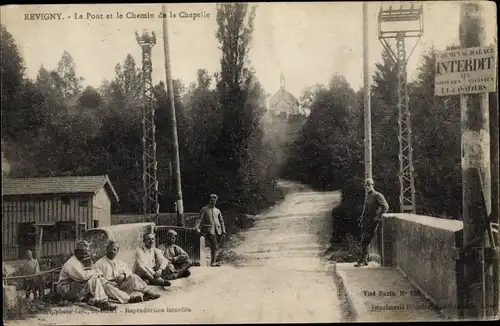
[279, 276]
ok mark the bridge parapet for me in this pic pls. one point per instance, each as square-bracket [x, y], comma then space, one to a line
[422, 248]
[129, 236]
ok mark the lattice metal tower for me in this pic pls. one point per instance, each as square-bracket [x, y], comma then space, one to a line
[151, 205]
[412, 15]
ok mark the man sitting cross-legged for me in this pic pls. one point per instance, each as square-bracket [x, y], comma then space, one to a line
[180, 262]
[150, 264]
[77, 283]
[121, 282]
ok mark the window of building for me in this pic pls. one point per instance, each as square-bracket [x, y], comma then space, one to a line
[26, 233]
[83, 203]
[66, 200]
[96, 224]
[82, 227]
[50, 233]
[67, 230]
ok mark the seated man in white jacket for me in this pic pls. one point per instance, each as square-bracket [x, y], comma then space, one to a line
[77, 282]
[120, 281]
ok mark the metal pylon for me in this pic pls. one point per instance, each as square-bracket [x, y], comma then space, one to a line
[403, 15]
[150, 182]
[406, 180]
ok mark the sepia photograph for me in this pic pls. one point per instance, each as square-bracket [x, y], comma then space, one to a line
[250, 162]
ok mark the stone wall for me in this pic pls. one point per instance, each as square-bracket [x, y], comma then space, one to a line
[129, 236]
[382, 248]
[422, 248]
[163, 219]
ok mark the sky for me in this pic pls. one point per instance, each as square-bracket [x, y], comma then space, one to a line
[309, 42]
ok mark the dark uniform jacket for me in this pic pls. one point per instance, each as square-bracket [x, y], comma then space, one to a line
[375, 206]
[210, 221]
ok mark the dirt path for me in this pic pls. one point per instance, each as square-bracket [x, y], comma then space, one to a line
[280, 276]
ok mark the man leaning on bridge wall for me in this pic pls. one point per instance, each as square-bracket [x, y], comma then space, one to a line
[375, 205]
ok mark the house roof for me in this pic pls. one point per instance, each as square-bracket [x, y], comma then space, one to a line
[57, 185]
[283, 96]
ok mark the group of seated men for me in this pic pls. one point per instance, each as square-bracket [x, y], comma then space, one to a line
[111, 278]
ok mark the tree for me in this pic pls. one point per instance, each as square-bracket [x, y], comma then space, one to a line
[165, 155]
[5, 164]
[66, 78]
[235, 27]
[90, 98]
[385, 132]
[436, 144]
[323, 150]
[12, 74]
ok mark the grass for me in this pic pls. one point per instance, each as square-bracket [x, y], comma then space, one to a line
[24, 308]
[347, 309]
[346, 251]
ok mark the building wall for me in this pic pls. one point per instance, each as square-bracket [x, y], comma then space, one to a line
[102, 208]
[44, 209]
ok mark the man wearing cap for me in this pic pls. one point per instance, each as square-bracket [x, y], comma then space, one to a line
[121, 282]
[180, 262]
[375, 205]
[150, 264]
[211, 225]
[77, 283]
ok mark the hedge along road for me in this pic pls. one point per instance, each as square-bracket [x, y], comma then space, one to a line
[279, 275]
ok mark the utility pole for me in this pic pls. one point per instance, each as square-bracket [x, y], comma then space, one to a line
[495, 196]
[495, 216]
[476, 180]
[368, 119]
[175, 142]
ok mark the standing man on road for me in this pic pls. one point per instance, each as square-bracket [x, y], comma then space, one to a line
[375, 205]
[211, 225]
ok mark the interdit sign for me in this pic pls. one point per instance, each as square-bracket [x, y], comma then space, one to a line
[465, 71]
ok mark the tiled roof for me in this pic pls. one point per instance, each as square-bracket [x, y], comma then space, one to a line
[282, 95]
[57, 185]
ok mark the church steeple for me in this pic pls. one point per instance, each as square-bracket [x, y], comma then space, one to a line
[282, 80]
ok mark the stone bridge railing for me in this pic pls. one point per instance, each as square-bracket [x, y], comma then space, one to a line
[423, 249]
[129, 236]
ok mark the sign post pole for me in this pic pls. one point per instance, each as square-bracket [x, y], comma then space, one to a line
[475, 167]
[471, 73]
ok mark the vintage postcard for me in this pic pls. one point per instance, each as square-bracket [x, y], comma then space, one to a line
[249, 162]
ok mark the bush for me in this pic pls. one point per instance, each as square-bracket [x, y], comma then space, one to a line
[345, 215]
[23, 308]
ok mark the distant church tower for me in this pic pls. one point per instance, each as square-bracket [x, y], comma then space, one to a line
[282, 123]
[283, 104]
